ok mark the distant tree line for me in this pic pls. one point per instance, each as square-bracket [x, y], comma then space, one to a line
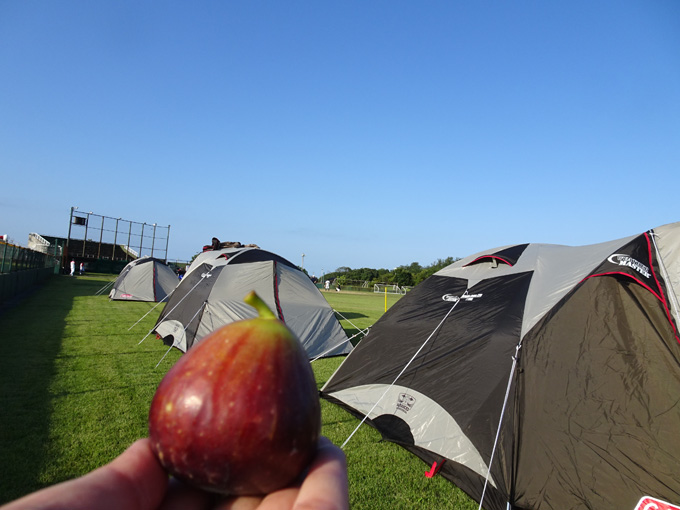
[408, 276]
[404, 276]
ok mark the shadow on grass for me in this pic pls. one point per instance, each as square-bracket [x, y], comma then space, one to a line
[352, 331]
[32, 331]
[351, 315]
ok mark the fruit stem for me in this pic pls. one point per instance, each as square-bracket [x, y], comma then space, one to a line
[256, 302]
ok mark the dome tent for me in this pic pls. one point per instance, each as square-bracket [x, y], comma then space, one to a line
[144, 279]
[534, 376]
[211, 294]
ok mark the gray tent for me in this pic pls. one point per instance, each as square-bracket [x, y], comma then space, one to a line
[144, 279]
[211, 295]
[535, 376]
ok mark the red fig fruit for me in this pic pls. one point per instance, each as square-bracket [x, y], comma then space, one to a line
[239, 413]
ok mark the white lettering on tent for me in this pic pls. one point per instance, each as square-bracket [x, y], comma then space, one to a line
[628, 261]
[464, 297]
[647, 503]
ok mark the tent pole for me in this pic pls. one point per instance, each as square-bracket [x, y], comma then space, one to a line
[671, 291]
[500, 421]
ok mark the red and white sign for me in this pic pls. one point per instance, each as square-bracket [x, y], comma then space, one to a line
[648, 503]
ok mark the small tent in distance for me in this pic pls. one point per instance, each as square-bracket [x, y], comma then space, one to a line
[534, 376]
[211, 294]
[144, 279]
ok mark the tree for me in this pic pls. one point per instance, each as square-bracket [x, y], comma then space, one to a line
[402, 277]
[433, 268]
[414, 268]
[409, 275]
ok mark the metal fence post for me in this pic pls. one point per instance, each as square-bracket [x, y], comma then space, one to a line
[127, 251]
[167, 240]
[153, 239]
[2, 266]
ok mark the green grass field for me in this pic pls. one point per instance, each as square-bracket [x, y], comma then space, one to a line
[76, 385]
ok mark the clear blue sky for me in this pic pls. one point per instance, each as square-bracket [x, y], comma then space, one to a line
[362, 134]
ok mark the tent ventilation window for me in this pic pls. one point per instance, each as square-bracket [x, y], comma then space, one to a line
[492, 261]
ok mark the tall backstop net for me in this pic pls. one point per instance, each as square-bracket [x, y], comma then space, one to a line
[108, 243]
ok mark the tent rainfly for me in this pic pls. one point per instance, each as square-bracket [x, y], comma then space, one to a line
[211, 294]
[535, 376]
[144, 279]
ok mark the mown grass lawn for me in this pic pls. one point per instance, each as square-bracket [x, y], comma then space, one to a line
[76, 385]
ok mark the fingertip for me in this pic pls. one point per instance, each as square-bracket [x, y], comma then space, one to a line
[144, 476]
[329, 450]
[326, 485]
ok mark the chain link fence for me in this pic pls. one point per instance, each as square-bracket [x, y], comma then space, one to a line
[22, 268]
[16, 258]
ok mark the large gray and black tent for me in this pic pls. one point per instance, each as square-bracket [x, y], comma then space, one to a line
[144, 279]
[534, 376]
[211, 295]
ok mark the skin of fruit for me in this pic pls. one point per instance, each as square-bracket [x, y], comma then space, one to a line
[239, 413]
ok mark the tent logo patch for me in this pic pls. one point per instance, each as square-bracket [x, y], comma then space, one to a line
[405, 402]
[626, 260]
[647, 503]
[465, 297]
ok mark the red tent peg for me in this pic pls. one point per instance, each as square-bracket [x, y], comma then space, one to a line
[434, 469]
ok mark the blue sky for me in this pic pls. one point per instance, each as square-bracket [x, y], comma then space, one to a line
[362, 134]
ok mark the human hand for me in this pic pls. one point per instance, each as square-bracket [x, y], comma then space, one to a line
[136, 481]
